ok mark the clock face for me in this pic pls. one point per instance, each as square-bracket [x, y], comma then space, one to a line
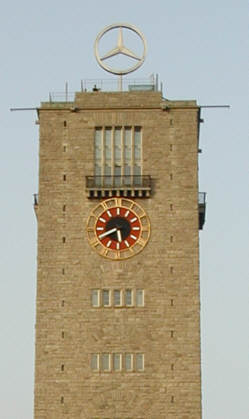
[118, 228]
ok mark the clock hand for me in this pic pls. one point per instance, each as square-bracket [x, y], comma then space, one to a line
[119, 236]
[106, 233]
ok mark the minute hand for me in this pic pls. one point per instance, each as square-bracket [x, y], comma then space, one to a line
[106, 233]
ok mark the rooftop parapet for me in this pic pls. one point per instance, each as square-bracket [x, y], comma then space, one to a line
[108, 85]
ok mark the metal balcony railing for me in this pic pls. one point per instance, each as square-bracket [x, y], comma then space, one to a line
[202, 209]
[118, 181]
[35, 195]
[118, 185]
[202, 198]
[108, 85]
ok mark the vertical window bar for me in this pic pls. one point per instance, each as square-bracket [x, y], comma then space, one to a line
[137, 144]
[132, 156]
[112, 155]
[117, 156]
[102, 156]
[108, 144]
[128, 155]
[127, 174]
[98, 158]
[108, 156]
[137, 164]
[122, 155]
[137, 174]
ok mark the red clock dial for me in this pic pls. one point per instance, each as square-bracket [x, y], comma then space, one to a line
[118, 228]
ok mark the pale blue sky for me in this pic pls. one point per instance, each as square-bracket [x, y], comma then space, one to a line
[200, 51]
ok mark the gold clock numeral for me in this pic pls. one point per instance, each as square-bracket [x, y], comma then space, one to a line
[117, 255]
[145, 228]
[90, 229]
[104, 252]
[94, 243]
[141, 242]
[118, 202]
[104, 205]
[95, 217]
[142, 215]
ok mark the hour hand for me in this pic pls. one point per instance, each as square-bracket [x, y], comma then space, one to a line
[119, 236]
[106, 233]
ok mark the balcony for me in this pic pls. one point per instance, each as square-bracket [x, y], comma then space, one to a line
[35, 195]
[108, 186]
[202, 209]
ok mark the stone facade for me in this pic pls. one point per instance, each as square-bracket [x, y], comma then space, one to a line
[167, 328]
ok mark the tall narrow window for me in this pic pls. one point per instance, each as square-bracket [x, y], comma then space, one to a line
[106, 297]
[128, 297]
[139, 298]
[137, 156]
[127, 155]
[117, 362]
[118, 156]
[117, 297]
[108, 156]
[128, 362]
[139, 362]
[106, 362]
[95, 298]
[95, 362]
[98, 155]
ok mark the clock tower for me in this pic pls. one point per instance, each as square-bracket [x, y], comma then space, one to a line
[119, 213]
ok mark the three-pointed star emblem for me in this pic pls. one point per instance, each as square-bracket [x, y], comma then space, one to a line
[120, 49]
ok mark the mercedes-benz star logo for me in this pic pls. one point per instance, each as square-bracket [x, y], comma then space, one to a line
[120, 49]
